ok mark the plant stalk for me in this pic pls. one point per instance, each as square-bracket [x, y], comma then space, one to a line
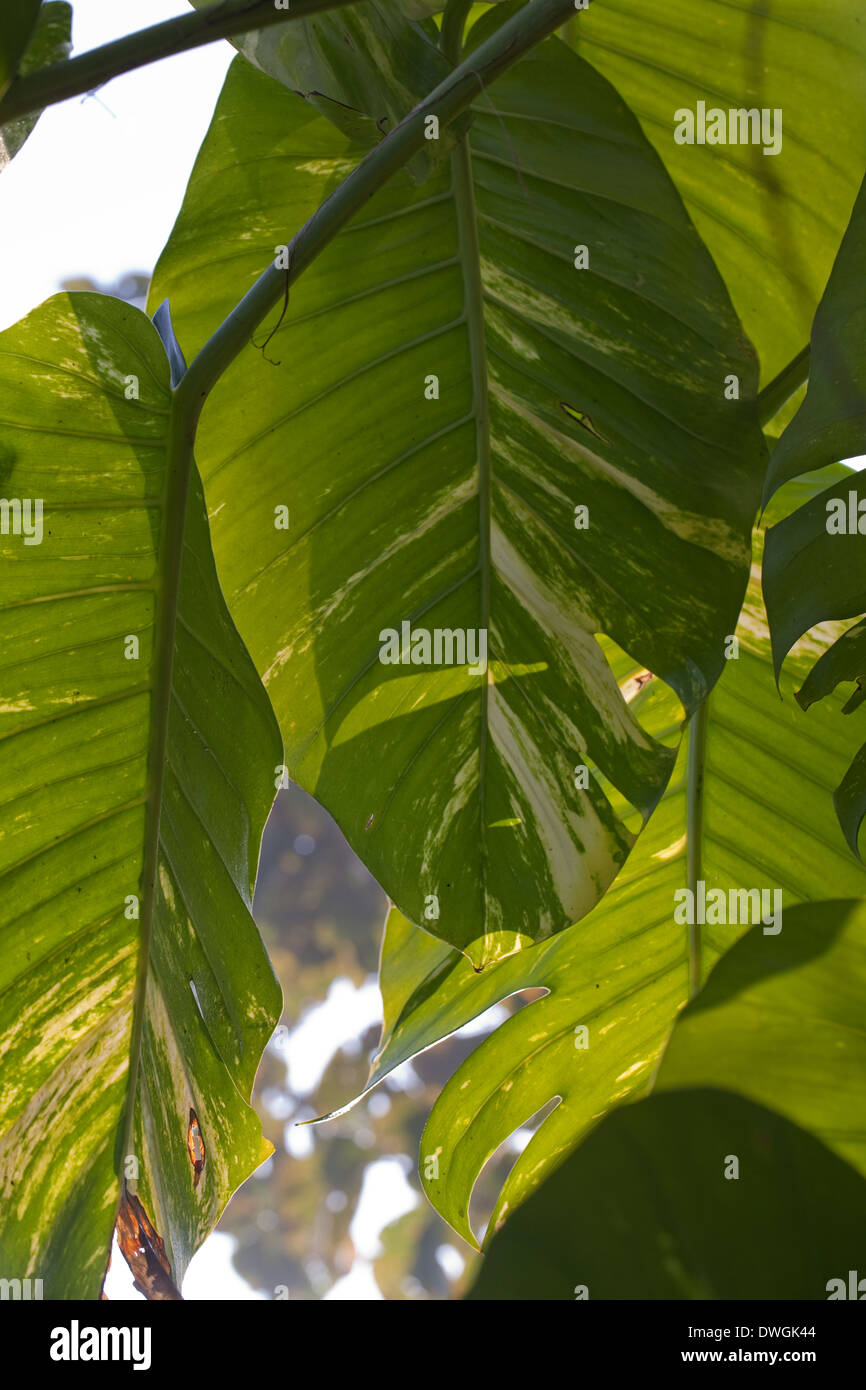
[453, 23]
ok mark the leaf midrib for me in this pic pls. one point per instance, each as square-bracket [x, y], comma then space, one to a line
[473, 306]
[695, 772]
[167, 589]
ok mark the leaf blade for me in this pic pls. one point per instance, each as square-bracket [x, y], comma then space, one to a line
[643, 1210]
[814, 567]
[113, 763]
[49, 42]
[772, 223]
[396, 536]
[624, 972]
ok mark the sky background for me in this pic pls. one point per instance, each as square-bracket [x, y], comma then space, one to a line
[98, 185]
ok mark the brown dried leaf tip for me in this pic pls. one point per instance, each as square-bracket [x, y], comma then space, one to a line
[144, 1251]
[195, 1147]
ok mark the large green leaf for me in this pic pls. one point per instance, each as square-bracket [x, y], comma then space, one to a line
[816, 558]
[363, 67]
[651, 1205]
[780, 1020]
[772, 222]
[763, 820]
[559, 388]
[649, 1208]
[831, 423]
[50, 42]
[134, 987]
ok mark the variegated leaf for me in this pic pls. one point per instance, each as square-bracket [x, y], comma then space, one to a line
[747, 809]
[448, 399]
[138, 752]
[363, 67]
[770, 209]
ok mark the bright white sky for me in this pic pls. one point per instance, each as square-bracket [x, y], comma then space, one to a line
[95, 191]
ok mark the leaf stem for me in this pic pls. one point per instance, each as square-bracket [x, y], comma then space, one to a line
[473, 312]
[694, 830]
[532, 23]
[451, 42]
[451, 33]
[783, 386]
[90, 70]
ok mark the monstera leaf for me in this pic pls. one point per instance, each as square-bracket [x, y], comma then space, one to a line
[698, 1192]
[747, 809]
[138, 753]
[569, 448]
[771, 221]
[48, 40]
[816, 558]
[651, 1207]
[779, 1017]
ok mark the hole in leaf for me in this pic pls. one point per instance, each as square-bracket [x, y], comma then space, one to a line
[144, 1250]
[197, 1000]
[493, 1175]
[195, 1147]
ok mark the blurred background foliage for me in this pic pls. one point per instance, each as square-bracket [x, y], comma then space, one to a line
[322, 916]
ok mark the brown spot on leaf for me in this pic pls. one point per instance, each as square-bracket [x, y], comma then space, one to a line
[634, 684]
[144, 1251]
[195, 1147]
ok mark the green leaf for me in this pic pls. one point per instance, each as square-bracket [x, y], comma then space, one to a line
[771, 222]
[131, 784]
[831, 423]
[780, 1020]
[648, 1207]
[51, 42]
[811, 573]
[815, 567]
[559, 388]
[17, 22]
[364, 68]
[644, 1210]
[765, 822]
